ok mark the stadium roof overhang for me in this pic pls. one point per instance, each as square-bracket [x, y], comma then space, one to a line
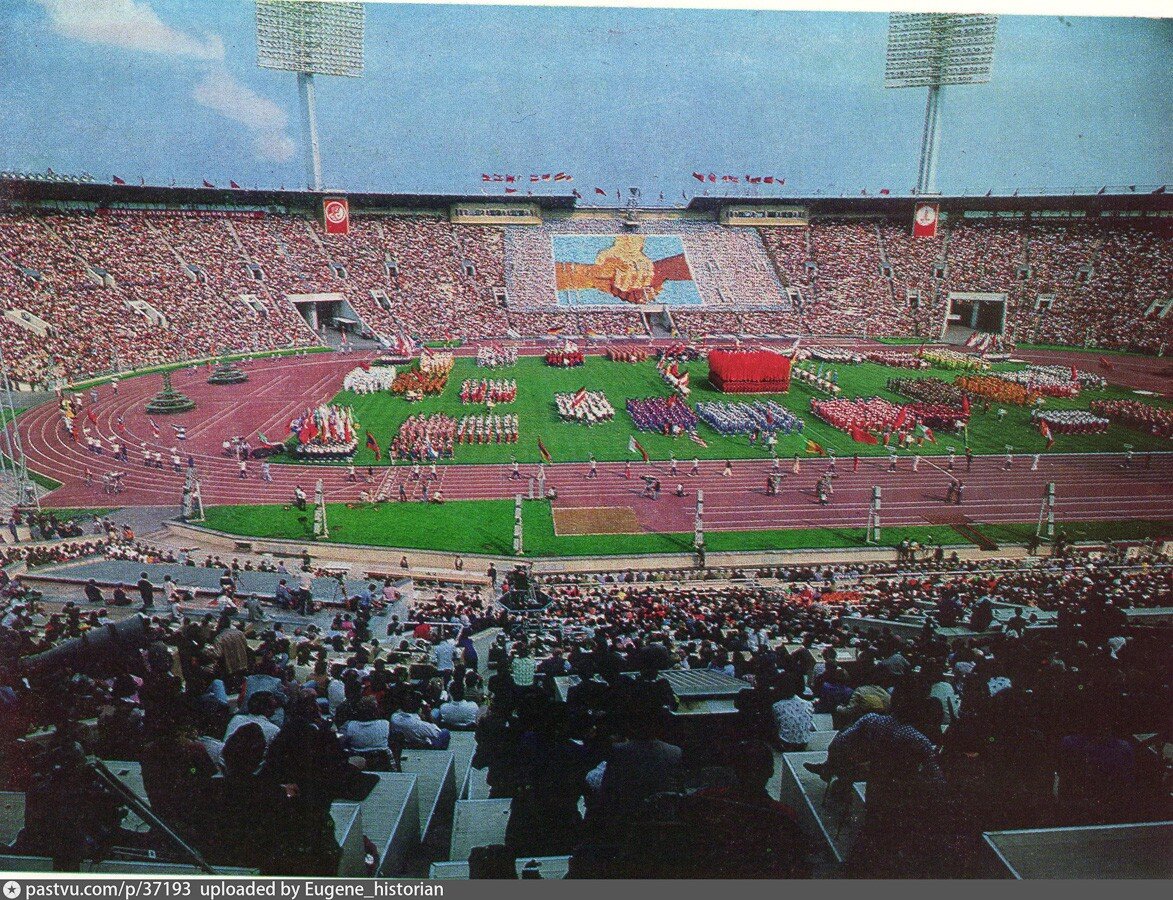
[904, 205]
[29, 191]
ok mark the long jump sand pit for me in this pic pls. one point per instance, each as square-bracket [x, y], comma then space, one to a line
[596, 520]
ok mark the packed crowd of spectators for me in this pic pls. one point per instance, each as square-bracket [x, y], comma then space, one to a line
[1025, 719]
[127, 289]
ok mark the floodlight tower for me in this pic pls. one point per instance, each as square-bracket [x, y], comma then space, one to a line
[310, 38]
[933, 50]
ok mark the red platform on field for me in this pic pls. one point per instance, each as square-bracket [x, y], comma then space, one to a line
[749, 371]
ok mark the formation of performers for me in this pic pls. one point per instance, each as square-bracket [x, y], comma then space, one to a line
[490, 391]
[673, 377]
[424, 438]
[627, 354]
[567, 358]
[369, 379]
[487, 430]
[496, 356]
[417, 383]
[749, 418]
[586, 407]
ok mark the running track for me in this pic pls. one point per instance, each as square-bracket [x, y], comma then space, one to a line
[1089, 487]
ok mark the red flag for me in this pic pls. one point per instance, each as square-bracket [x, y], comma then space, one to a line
[861, 436]
[577, 195]
[900, 418]
[698, 176]
[511, 190]
[769, 179]
[118, 180]
[712, 177]
[885, 191]
[542, 450]
[233, 184]
[309, 430]
[208, 184]
[599, 190]
[373, 445]
[634, 446]
[1045, 431]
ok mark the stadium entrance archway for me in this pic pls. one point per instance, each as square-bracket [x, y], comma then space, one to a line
[973, 315]
[331, 316]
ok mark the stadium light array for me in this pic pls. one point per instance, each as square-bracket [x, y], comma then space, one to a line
[310, 38]
[932, 50]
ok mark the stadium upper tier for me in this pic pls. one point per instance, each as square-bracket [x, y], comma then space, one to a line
[85, 292]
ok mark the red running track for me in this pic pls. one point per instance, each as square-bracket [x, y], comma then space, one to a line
[1089, 487]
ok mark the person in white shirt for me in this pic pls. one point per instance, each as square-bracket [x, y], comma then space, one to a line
[260, 707]
[793, 716]
[368, 731]
[445, 653]
[457, 713]
[416, 733]
[336, 689]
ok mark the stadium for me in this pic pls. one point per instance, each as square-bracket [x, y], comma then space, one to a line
[523, 530]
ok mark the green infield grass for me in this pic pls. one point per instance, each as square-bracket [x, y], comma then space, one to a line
[537, 383]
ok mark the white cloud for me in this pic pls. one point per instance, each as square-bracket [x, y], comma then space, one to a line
[221, 92]
[129, 25]
[134, 25]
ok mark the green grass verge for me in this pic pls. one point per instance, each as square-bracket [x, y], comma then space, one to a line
[486, 526]
[44, 481]
[1069, 348]
[171, 367]
[537, 384]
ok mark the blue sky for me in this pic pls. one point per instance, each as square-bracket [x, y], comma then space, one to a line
[616, 97]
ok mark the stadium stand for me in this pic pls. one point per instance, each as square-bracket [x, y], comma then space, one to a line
[85, 292]
[1026, 691]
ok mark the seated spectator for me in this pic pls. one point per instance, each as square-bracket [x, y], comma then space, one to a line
[458, 713]
[793, 716]
[414, 731]
[368, 730]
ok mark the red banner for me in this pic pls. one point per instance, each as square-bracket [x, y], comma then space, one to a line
[924, 222]
[336, 212]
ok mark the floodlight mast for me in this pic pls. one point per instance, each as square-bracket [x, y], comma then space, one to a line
[310, 38]
[933, 50]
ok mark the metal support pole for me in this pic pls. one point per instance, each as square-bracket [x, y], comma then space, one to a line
[321, 528]
[309, 111]
[698, 535]
[518, 539]
[25, 492]
[926, 180]
[873, 528]
[1047, 513]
